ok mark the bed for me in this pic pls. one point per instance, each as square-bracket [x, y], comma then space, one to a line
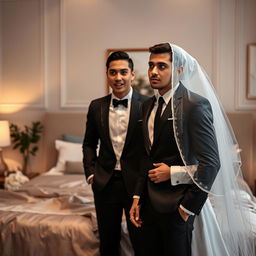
[50, 215]
[53, 214]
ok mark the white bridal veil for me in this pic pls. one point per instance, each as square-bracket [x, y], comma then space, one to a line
[227, 192]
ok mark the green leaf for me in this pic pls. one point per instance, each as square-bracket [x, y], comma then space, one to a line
[22, 139]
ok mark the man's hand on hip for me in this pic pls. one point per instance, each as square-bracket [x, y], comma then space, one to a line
[183, 214]
[90, 181]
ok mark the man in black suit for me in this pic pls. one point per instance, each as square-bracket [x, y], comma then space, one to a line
[168, 202]
[114, 124]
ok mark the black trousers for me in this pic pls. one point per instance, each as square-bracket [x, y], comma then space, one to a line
[109, 204]
[165, 234]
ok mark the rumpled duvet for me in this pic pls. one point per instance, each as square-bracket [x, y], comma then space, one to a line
[49, 215]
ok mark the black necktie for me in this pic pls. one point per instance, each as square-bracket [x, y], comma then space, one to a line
[158, 115]
[120, 102]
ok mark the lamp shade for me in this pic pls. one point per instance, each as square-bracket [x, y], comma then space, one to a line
[4, 134]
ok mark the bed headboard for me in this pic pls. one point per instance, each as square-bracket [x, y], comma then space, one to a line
[57, 124]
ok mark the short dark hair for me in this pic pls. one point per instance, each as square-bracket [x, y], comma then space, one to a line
[120, 55]
[161, 48]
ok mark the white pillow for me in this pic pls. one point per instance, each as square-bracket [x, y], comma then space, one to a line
[72, 167]
[67, 151]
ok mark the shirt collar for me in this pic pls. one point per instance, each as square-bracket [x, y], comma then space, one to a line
[128, 96]
[167, 96]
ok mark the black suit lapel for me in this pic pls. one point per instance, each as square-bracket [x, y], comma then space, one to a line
[105, 120]
[133, 119]
[178, 115]
[148, 109]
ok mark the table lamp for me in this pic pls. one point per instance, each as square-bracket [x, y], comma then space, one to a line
[4, 142]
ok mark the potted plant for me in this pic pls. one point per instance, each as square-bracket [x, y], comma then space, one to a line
[26, 141]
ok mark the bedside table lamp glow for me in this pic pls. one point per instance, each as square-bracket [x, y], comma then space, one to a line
[4, 142]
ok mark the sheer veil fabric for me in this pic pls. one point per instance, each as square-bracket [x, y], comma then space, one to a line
[227, 214]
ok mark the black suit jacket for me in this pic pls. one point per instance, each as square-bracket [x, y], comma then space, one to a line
[97, 135]
[198, 146]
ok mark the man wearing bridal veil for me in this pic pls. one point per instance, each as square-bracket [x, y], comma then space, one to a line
[188, 198]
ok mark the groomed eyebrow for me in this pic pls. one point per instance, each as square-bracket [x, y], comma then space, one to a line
[123, 69]
[157, 63]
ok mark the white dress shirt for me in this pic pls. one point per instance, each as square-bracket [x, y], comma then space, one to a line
[118, 125]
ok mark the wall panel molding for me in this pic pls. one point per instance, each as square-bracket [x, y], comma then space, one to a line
[216, 46]
[38, 101]
[241, 101]
[65, 102]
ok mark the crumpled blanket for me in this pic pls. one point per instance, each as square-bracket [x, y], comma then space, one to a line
[49, 215]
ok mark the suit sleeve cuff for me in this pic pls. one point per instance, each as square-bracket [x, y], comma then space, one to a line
[186, 210]
[179, 175]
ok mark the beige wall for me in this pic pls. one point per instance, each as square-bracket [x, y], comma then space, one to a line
[52, 52]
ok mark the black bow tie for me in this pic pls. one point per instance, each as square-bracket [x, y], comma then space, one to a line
[120, 102]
